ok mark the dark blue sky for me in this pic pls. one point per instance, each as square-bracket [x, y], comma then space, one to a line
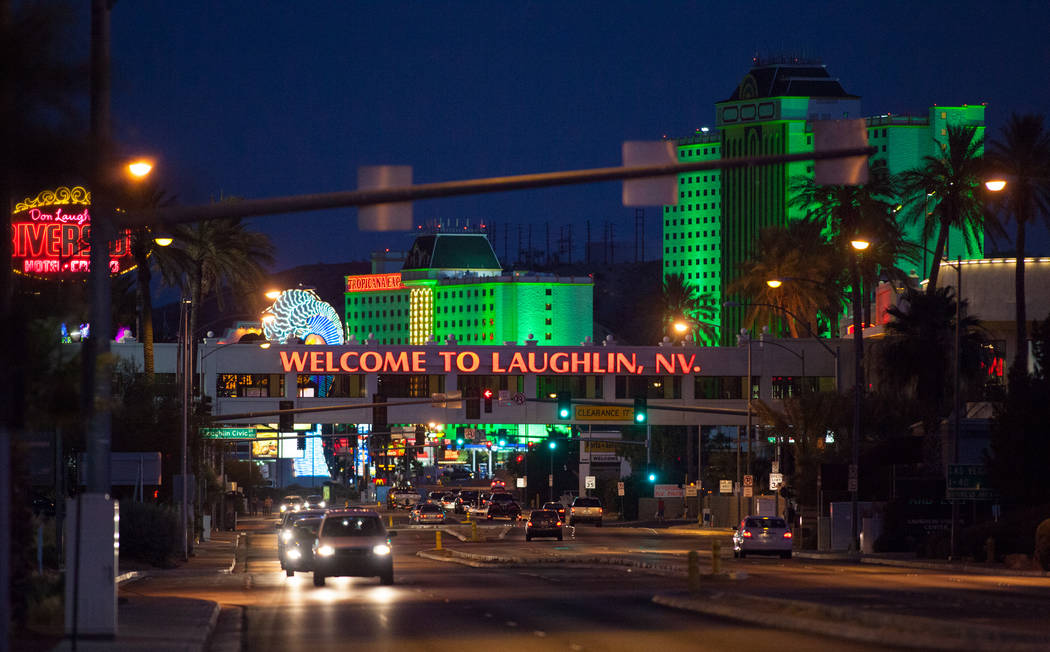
[261, 99]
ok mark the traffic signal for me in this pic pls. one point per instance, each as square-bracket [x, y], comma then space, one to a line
[421, 435]
[564, 405]
[487, 395]
[379, 414]
[519, 459]
[652, 477]
[285, 421]
[641, 412]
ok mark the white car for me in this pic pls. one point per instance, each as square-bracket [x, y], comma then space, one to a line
[762, 535]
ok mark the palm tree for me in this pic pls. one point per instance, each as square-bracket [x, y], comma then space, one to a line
[208, 257]
[869, 211]
[797, 252]
[1024, 155]
[141, 248]
[916, 358]
[679, 300]
[950, 181]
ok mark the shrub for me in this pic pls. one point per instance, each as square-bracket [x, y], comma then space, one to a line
[1042, 545]
[149, 533]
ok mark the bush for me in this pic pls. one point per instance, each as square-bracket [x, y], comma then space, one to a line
[1042, 545]
[1013, 534]
[149, 533]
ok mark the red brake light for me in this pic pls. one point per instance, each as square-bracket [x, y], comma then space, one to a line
[599, 510]
[573, 510]
[559, 523]
[787, 535]
[529, 523]
[746, 534]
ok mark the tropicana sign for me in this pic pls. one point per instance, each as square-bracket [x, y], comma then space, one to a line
[555, 362]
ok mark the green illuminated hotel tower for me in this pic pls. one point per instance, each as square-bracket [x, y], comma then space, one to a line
[715, 224]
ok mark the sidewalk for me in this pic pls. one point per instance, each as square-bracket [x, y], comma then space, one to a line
[162, 624]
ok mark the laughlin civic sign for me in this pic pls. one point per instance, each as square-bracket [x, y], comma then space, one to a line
[50, 235]
[503, 361]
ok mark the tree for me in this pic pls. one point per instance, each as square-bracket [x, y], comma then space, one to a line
[1023, 155]
[917, 357]
[950, 182]
[799, 256]
[680, 300]
[147, 196]
[207, 257]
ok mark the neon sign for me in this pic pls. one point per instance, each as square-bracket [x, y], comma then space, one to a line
[51, 234]
[417, 361]
[374, 282]
[302, 314]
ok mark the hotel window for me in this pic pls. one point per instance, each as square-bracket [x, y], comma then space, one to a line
[548, 320]
[547, 336]
[548, 306]
[549, 292]
[410, 385]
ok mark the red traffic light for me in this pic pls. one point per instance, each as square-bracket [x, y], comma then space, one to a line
[520, 459]
[486, 393]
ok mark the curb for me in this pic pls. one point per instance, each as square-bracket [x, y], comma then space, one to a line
[131, 575]
[674, 570]
[853, 624]
[947, 567]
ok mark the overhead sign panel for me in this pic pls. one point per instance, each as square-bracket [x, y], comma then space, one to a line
[604, 413]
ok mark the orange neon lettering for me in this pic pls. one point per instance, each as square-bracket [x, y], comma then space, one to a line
[396, 363]
[376, 361]
[316, 365]
[535, 368]
[468, 367]
[344, 362]
[419, 362]
[688, 365]
[560, 368]
[581, 363]
[496, 368]
[627, 364]
[446, 359]
[329, 362]
[517, 362]
[293, 361]
[664, 364]
[596, 366]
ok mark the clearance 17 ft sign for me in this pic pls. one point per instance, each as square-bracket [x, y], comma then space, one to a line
[419, 361]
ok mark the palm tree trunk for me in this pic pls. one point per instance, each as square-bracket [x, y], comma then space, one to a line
[1020, 364]
[145, 304]
[938, 254]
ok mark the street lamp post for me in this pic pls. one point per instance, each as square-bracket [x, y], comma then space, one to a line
[858, 245]
[550, 479]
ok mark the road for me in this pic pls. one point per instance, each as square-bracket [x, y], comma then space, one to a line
[443, 606]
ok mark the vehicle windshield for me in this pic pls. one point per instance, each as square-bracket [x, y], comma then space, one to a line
[766, 522]
[314, 499]
[541, 514]
[306, 528]
[430, 508]
[292, 499]
[553, 506]
[587, 502]
[505, 498]
[352, 526]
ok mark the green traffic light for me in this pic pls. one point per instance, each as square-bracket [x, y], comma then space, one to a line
[552, 445]
[640, 418]
[652, 477]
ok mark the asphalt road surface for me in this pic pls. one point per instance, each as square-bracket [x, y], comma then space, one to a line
[445, 606]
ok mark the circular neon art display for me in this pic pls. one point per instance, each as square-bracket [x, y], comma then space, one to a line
[302, 314]
[50, 235]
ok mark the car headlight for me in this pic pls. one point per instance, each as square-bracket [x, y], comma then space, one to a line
[381, 549]
[321, 504]
[326, 551]
[286, 535]
[284, 508]
[293, 553]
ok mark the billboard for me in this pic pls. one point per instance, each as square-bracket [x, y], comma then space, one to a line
[50, 235]
[264, 448]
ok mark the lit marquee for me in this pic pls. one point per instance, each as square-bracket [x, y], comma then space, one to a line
[420, 315]
[302, 314]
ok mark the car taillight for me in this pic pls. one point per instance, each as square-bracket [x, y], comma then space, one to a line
[746, 534]
[787, 535]
[529, 523]
[559, 523]
[599, 510]
[573, 510]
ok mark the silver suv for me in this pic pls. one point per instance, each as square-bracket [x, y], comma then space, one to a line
[353, 542]
[585, 510]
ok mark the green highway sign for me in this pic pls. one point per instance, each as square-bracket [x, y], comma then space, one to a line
[969, 482]
[228, 433]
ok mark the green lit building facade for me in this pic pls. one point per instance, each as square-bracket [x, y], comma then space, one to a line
[715, 224]
[452, 287]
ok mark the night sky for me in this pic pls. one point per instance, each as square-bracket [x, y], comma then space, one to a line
[260, 99]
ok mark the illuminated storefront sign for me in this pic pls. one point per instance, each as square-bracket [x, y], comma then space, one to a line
[374, 282]
[498, 362]
[50, 235]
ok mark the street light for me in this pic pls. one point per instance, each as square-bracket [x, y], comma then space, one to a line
[551, 445]
[995, 185]
[140, 168]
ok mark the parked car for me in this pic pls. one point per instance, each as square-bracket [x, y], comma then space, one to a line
[353, 542]
[503, 509]
[585, 510]
[428, 513]
[298, 552]
[543, 523]
[558, 507]
[764, 535]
